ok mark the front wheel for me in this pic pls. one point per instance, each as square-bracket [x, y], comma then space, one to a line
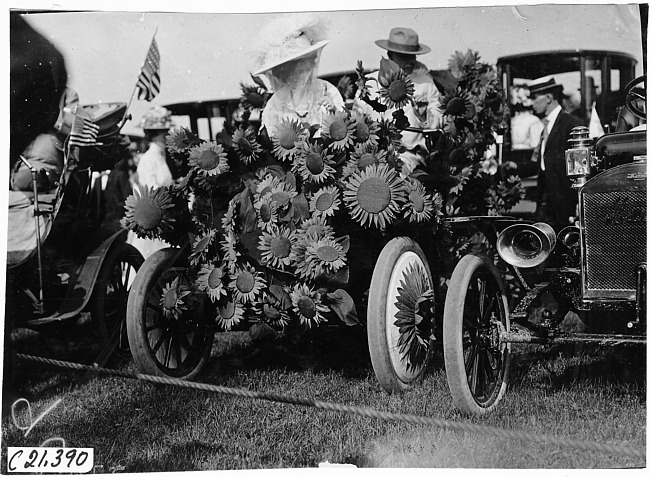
[476, 361]
[169, 329]
[400, 314]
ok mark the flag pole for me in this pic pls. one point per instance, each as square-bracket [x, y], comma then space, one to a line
[135, 88]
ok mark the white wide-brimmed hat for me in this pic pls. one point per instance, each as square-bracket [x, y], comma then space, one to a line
[288, 38]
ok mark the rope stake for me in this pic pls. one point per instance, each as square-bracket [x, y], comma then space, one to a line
[358, 410]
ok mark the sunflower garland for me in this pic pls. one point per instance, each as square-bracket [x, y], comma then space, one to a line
[314, 165]
[374, 196]
[246, 284]
[212, 280]
[244, 142]
[208, 160]
[287, 139]
[308, 306]
[148, 212]
[325, 202]
[339, 130]
[276, 248]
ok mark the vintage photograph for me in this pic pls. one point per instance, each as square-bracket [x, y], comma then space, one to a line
[358, 237]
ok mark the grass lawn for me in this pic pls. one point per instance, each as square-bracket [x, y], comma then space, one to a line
[589, 393]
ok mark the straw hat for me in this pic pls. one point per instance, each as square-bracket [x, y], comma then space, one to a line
[543, 86]
[288, 38]
[403, 40]
[156, 119]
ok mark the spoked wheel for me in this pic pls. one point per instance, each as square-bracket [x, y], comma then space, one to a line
[169, 331]
[476, 362]
[400, 314]
[110, 293]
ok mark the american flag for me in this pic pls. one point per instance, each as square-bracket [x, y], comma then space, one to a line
[149, 80]
[83, 132]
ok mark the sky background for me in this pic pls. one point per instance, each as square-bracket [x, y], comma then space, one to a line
[204, 56]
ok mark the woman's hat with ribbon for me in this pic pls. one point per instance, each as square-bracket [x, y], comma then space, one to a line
[403, 40]
[288, 38]
[156, 119]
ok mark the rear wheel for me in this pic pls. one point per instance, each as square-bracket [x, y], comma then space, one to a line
[400, 314]
[476, 362]
[169, 332]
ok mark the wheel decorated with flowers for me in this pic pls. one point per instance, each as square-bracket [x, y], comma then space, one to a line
[476, 311]
[401, 306]
[167, 327]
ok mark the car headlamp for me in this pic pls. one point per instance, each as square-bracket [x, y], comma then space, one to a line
[578, 156]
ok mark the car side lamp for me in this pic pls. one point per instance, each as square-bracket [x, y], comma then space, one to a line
[579, 157]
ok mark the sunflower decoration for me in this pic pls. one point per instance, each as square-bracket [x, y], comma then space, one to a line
[299, 256]
[308, 305]
[362, 157]
[314, 165]
[266, 185]
[229, 314]
[246, 284]
[270, 311]
[374, 196]
[212, 280]
[325, 202]
[338, 129]
[200, 247]
[316, 227]
[287, 139]
[267, 213]
[253, 97]
[180, 139]
[396, 90]
[228, 220]
[208, 159]
[325, 255]
[244, 142]
[458, 103]
[172, 299]
[279, 191]
[276, 248]
[366, 131]
[148, 212]
[415, 315]
[230, 250]
[419, 205]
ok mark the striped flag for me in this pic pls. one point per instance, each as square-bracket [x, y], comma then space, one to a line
[149, 80]
[84, 132]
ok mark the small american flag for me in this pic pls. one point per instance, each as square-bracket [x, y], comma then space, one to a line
[83, 132]
[148, 84]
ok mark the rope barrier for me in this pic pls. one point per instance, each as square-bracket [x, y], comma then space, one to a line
[360, 411]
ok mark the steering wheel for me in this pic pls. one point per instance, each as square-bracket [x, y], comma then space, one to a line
[632, 96]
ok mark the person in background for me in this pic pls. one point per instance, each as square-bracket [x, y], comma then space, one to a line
[288, 53]
[556, 200]
[526, 128]
[403, 46]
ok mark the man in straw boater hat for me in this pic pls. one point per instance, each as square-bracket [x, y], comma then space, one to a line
[288, 53]
[403, 45]
[556, 200]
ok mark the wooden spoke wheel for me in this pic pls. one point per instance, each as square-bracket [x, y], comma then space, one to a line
[476, 362]
[400, 314]
[167, 339]
[110, 294]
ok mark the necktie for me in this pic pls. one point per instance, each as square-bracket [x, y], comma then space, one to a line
[538, 153]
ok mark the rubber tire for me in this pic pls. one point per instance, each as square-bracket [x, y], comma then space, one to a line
[147, 278]
[119, 252]
[454, 357]
[378, 321]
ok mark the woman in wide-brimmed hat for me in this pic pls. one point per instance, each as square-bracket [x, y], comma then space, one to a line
[288, 53]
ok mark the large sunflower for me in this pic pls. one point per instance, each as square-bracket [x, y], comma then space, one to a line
[148, 212]
[325, 202]
[366, 131]
[208, 159]
[415, 316]
[419, 204]
[314, 165]
[276, 248]
[267, 213]
[374, 196]
[200, 247]
[458, 103]
[287, 139]
[212, 280]
[244, 142]
[362, 157]
[398, 89]
[308, 305]
[325, 255]
[339, 129]
[229, 314]
[247, 284]
[171, 299]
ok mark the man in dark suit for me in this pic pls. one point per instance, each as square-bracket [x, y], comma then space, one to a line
[556, 200]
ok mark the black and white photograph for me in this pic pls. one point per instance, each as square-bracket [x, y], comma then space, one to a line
[345, 237]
